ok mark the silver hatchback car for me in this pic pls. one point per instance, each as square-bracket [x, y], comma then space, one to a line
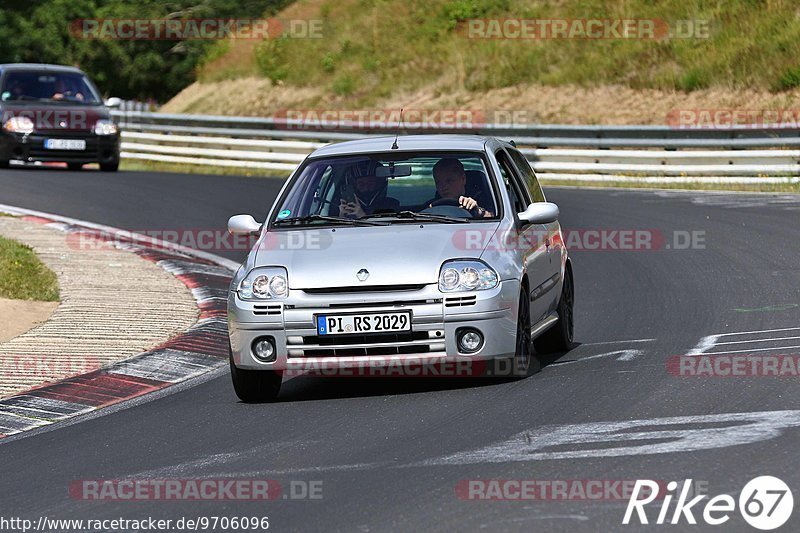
[414, 251]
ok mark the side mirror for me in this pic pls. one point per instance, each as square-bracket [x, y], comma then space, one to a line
[243, 224]
[113, 102]
[540, 213]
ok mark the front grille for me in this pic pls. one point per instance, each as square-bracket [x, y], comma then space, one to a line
[460, 301]
[365, 288]
[274, 309]
[412, 342]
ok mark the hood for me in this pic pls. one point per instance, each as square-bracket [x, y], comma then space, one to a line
[398, 254]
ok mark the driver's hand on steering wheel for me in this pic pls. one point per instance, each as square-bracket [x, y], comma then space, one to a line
[467, 203]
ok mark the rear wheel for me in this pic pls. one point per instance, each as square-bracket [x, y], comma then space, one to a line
[559, 337]
[74, 166]
[109, 167]
[255, 386]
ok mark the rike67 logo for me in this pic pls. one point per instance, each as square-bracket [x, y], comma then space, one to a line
[765, 503]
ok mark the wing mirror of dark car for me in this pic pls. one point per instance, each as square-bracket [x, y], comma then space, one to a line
[393, 171]
[539, 213]
[243, 224]
[113, 102]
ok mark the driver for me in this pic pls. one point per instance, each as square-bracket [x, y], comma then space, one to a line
[63, 91]
[451, 182]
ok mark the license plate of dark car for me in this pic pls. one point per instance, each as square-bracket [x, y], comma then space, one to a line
[65, 144]
[364, 323]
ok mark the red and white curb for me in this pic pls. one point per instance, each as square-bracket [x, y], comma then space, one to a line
[198, 350]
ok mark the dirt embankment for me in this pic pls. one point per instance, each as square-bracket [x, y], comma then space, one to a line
[531, 103]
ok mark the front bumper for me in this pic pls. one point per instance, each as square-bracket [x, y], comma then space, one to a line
[29, 148]
[436, 317]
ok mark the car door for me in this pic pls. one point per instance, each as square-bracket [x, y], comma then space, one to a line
[532, 250]
[551, 234]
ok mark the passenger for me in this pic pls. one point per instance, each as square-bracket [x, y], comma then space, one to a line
[368, 197]
[451, 182]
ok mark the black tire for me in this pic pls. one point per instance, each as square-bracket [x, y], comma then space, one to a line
[559, 338]
[75, 166]
[109, 167]
[525, 361]
[255, 386]
[4, 163]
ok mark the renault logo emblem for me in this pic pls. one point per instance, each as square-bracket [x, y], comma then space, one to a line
[362, 274]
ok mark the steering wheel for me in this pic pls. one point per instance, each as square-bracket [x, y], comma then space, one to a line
[453, 202]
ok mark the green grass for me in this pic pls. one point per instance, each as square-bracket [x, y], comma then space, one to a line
[375, 48]
[23, 276]
[182, 168]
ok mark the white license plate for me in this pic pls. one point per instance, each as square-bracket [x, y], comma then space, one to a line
[65, 144]
[364, 323]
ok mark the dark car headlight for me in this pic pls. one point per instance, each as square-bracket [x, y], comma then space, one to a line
[19, 125]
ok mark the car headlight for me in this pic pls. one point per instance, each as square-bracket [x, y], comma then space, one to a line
[105, 127]
[466, 275]
[19, 125]
[264, 283]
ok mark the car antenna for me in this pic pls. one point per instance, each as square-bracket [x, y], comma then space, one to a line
[400, 125]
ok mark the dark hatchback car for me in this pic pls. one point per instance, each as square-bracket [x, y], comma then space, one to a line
[55, 113]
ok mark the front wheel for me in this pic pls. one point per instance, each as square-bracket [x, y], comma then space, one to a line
[524, 362]
[255, 386]
[559, 337]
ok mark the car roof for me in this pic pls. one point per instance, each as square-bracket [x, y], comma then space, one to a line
[39, 66]
[408, 143]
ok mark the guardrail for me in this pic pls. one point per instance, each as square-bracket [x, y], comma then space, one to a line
[569, 153]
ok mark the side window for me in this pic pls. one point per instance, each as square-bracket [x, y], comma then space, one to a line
[528, 175]
[519, 195]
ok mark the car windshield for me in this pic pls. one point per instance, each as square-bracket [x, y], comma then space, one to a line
[38, 86]
[391, 187]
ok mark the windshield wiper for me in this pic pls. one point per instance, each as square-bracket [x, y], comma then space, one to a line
[413, 215]
[326, 218]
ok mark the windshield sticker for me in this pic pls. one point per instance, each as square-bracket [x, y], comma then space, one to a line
[283, 214]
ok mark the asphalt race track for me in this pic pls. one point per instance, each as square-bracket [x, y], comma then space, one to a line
[397, 453]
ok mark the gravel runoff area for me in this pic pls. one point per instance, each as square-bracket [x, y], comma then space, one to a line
[114, 304]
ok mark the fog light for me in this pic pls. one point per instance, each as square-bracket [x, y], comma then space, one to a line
[470, 341]
[264, 349]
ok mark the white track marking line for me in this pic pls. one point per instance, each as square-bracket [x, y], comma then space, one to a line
[753, 350]
[615, 342]
[758, 340]
[757, 331]
[705, 343]
[624, 355]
